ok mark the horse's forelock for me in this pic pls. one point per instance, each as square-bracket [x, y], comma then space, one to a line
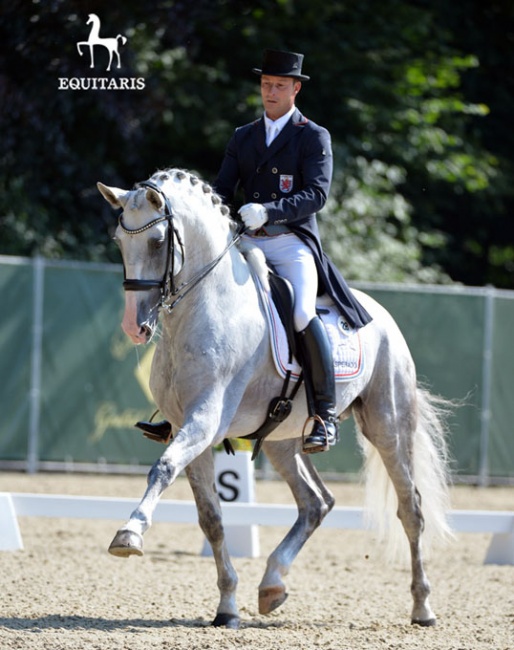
[137, 198]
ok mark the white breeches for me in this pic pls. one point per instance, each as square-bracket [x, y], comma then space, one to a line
[293, 260]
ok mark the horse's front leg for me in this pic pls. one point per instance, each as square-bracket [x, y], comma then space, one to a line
[314, 502]
[200, 473]
[189, 443]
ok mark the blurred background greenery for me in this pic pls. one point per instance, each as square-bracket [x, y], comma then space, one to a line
[417, 94]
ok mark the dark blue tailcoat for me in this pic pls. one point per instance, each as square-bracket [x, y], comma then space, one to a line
[291, 178]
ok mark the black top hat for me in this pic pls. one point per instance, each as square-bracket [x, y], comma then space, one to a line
[282, 64]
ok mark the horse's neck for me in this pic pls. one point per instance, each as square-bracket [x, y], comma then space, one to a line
[229, 285]
[207, 235]
[94, 34]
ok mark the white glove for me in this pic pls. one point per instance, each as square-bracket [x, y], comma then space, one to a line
[254, 215]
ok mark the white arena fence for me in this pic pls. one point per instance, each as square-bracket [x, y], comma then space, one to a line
[236, 516]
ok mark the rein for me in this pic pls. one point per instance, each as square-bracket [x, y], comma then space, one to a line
[167, 283]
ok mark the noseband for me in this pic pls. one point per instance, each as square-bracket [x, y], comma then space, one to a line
[167, 284]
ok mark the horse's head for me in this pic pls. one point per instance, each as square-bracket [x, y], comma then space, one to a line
[150, 254]
[162, 218]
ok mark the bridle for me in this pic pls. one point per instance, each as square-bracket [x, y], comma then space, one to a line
[171, 294]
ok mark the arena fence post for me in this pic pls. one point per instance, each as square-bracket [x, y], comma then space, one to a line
[235, 483]
[10, 537]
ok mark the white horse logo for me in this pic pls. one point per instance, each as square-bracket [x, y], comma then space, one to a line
[111, 44]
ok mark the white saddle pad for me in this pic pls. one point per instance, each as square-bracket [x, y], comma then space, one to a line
[346, 343]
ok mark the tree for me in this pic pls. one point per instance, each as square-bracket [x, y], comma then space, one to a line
[422, 184]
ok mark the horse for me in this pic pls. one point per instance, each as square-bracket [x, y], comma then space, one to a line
[111, 44]
[189, 273]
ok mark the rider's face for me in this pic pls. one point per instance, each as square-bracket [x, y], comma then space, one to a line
[278, 94]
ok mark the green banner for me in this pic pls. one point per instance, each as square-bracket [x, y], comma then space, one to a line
[445, 331]
[500, 447]
[73, 385]
[92, 382]
[16, 331]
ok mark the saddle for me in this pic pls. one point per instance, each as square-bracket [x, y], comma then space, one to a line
[346, 347]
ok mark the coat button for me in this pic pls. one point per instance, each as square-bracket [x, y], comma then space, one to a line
[273, 196]
[256, 195]
[274, 170]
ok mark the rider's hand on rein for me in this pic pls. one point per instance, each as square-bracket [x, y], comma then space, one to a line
[254, 215]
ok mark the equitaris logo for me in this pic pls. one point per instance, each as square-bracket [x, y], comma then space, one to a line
[112, 45]
[108, 52]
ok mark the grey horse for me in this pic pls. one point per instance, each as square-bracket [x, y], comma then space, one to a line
[213, 377]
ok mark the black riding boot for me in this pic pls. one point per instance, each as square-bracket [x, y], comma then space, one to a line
[318, 369]
[158, 431]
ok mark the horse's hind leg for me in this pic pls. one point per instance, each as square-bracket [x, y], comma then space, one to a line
[200, 473]
[314, 501]
[411, 516]
[392, 436]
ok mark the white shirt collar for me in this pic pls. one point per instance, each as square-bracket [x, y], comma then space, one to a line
[281, 122]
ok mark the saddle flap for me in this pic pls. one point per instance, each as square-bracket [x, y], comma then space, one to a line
[283, 298]
[347, 349]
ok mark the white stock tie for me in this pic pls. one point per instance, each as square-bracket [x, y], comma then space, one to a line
[271, 135]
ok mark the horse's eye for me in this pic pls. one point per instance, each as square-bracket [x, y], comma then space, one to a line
[156, 244]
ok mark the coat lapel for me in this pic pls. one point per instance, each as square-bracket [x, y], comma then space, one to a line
[288, 132]
[259, 137]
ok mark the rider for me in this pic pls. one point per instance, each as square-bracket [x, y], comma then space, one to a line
[283, 164]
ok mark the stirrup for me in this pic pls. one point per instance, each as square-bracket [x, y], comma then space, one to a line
[315, 448]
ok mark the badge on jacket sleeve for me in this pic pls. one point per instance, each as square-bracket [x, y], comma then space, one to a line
[286, 183]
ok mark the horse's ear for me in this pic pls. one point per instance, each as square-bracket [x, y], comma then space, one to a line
[155, 199]
[116, 197]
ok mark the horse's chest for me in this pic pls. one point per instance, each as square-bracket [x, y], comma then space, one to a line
[179, 370]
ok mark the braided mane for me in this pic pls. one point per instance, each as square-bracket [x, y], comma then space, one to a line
[182, 174]
[251, 253]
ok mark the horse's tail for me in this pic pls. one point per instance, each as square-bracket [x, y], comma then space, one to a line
[431, 476]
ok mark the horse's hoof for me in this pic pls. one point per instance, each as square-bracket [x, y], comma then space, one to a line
[429, 622]
[270, 598]
[230, 621]
[126, 543]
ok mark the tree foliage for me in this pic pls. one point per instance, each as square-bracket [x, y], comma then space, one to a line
[417, 95]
